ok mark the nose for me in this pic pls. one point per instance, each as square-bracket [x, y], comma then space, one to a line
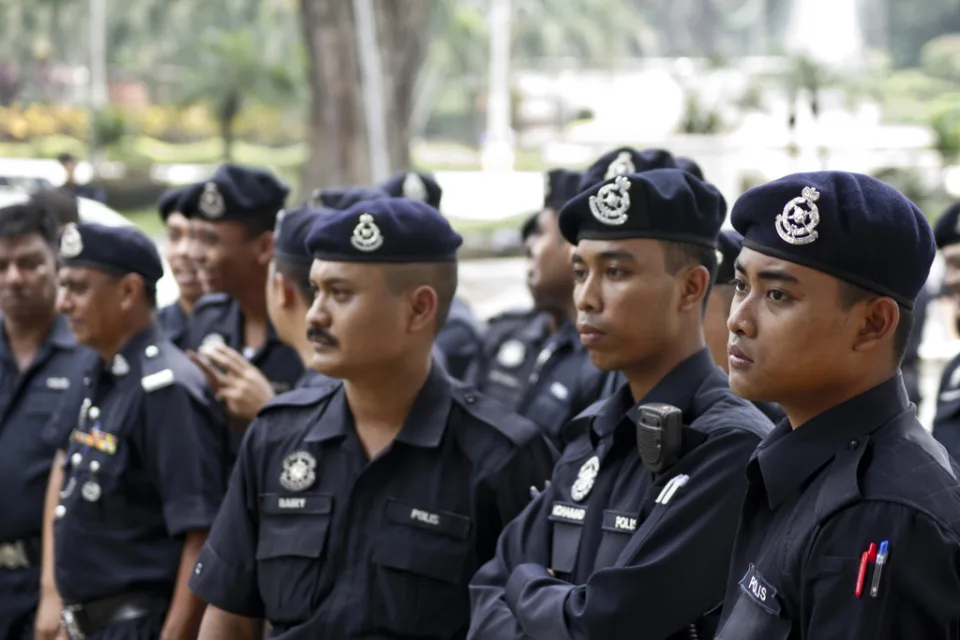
[587, 296]
[742, 320]
[195, 251]
[317, 314]
[64, 304]
[12, 274]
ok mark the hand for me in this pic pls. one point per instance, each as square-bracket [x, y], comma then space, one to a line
[242, 388]
[214, 377]
[47, 624]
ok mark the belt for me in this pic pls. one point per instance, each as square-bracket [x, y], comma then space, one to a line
[81, 620]
[21, 554]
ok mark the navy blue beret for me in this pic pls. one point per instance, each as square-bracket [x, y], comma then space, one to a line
[387, 230]
[663, 204]
[947, 229]
[291, 231]
[530, 226]
[688, 165]
[235, 193]
[414, 186]
[170, 201]
[623, 161]
[120, 250]
[559, 186]
[730, 244]
[848, 225]
[342, 198]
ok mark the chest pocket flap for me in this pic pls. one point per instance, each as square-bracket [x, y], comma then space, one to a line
[293, 524]
[424, 541]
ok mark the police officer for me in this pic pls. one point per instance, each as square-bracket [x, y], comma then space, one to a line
[718, 310]
[946, 424]
[175, 317]
[630, 539]
[850, 524]
[363, 509]
[241, 386]
[414, 186]
[234, 213]
[144, 467]
[536, 364]
[40, 362]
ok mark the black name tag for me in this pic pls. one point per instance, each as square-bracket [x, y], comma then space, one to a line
[445, 522]
[619, 521]
[566, 512]
[296, 503]
[756, 587]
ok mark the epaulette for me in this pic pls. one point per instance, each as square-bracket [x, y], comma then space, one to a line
[512, 315]
[162, 365]
[300, 397]
[212, 300]
[516, 428]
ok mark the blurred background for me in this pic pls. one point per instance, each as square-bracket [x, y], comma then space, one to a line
[484, 93]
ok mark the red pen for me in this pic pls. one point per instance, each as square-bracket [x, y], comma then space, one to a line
[866, 558]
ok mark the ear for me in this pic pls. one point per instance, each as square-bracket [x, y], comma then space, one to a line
[285, 289]
[263, 248]
[423, 308]
[695, 283]
[880, 320]
[131, 290]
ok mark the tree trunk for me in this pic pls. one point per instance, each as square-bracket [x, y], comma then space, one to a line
[337, 132]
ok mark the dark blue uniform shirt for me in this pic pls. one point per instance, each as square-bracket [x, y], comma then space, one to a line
[324, 543]
[862, 472]
[459, 339]
[546, 378]
[174, 321]
[31, 429]
[629, 562]
[144, 465]
[946, 423]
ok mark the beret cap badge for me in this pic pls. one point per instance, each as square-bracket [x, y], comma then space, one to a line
[366, 235]
[414, 188]
[71, 244]
[211, 201]
[621, 165]
[612, 202]
[798, 223]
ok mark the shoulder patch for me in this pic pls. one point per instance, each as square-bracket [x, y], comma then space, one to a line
[300, 397]
[158, 380]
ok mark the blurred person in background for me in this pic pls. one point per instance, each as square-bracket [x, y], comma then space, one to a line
[174, 319]
[69, 163]
[946, 423]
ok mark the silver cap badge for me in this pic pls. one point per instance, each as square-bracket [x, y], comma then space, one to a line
[585, 479]
[622, 164]
[797, 224]
[366, 235]
[279, 224]
[120, 367]
[298, 471]
[414, 188]
[547, 187]
[71, 244]
[719, 257]
[612, 202]
[211, 201]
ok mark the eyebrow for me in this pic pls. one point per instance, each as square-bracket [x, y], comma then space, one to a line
[614, 254]
[329, 282]
[778, 275]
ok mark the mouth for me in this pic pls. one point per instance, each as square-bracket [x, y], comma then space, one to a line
[321, 340]
[737, 358]
[185, 276]
[589, 334]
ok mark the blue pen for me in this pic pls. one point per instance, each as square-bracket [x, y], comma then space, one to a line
[881, 560]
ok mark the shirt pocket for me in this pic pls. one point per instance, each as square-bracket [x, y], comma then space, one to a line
[618, 526]
[757, 615]
[421, 567]
[292, 539]
[551, 407]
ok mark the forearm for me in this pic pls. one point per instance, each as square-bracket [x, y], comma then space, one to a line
[218, 624]
[48, 580]
[186, 609]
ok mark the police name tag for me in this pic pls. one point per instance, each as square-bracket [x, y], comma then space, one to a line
[569, 513]
[755, 587]
[296, 503]
[59, 384]
[619, 521]
[437, 520]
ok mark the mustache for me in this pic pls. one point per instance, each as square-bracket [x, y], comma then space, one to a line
[317, 334]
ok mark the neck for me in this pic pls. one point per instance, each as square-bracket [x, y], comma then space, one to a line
[382, 399]
[644, 376]
[253, 302]
[804, 408]
[121, 337]
[562, 314]
[186, 305]
[28, 333]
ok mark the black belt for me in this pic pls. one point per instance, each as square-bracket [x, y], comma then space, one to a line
[81, 620]
[21, 554]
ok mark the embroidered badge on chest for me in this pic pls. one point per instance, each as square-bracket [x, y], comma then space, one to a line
[585, 479]
[511, 354]
[299, 471]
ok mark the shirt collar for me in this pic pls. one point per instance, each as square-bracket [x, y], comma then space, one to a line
[59, 336]
[787, 457]
[423, 427]
[130, 352]
[677, 388]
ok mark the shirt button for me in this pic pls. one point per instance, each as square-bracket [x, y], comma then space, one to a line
[76, 459]
[470, 398]
[854, 444]
[60, 511]
[152, 351]
[197, 569]
[94, 466]
[94, 413]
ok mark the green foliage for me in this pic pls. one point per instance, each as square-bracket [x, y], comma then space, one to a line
[941, 57]
[698, 119]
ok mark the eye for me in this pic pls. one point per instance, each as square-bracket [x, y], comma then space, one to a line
[739, 285]
[777, 296]
[340, 295]
[615, 272]
[579, 273]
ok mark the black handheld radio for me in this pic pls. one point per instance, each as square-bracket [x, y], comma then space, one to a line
[659, 436]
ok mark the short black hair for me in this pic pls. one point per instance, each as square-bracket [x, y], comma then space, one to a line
[851, 294]
[59, 204]
[298, 272]
[678, 255]
[29, 218]
[442, 276]
[65, 157]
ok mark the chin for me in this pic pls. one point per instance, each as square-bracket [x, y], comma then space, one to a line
[605, 361]
[747, 386]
